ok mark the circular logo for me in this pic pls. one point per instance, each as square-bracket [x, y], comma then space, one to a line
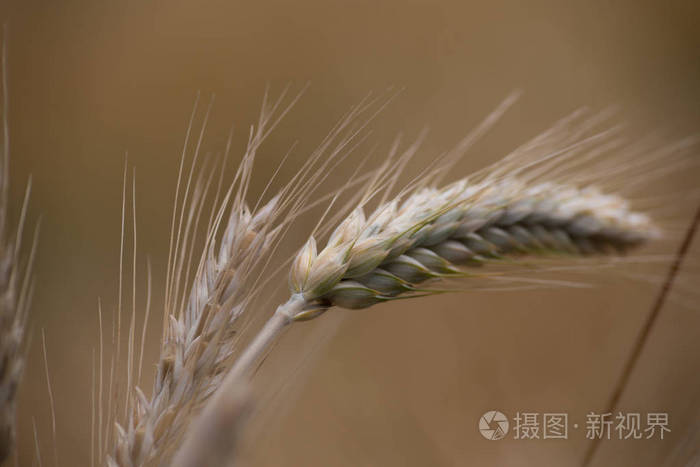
[493, 425]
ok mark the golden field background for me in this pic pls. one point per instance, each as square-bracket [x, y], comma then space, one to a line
[405, 383]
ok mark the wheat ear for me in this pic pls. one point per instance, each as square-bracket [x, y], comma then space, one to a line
[199, 339]
[15, 293]
[498, 215]
[367, 261]
[202, 321]
[391, 252]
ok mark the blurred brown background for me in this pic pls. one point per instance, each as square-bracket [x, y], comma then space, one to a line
[406, 383]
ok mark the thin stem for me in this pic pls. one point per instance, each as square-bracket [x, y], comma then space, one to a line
[210, 439]
[282, 316]
[646, 330]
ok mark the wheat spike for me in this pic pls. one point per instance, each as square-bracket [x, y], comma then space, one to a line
[426, 232]
[198, 343]
[11, 355]
[202, 323]
[367, 261]
[12, 325]
[15, 291]
[199, 339]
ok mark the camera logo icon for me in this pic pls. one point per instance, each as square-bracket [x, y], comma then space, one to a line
[493, 425]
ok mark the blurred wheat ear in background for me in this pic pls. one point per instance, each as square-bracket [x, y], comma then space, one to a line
[15, 290]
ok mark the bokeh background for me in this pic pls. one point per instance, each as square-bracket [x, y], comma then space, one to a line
[403, 384]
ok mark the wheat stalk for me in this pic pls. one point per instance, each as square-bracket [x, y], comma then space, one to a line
[12, 326]
[388, 254]
[427, 233]
[15, 291]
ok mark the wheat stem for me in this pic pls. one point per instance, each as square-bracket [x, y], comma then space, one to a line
[272, 328]
[210, 436]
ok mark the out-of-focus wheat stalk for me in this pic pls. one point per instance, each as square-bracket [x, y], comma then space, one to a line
[15, 292]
